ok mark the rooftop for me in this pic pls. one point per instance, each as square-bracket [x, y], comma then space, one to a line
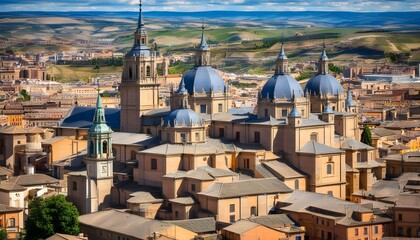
[246, 188]
[316, 148]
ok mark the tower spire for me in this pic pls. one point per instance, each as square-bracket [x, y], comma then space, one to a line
[99, 116]
[202, 54]
[140, 23]
[203, 43]
[281, 62]
[323, 61]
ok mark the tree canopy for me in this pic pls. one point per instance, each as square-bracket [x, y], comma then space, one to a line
[366, 137]
[51, 215]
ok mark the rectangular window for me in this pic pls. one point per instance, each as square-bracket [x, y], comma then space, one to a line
[266, 113]
[183, 138]
[408, 232]
[356, 232]
[232, 208]
[400, 231]
[232, 218]
[257, 137]
[148, 131]
[203, 108]
[376, 229]
[153, 164]
[220, 107]
[400, 217]
[176, 214]
[197, 136]
[238, 136]
[253, 211]
[192, 187]
[329, 236]
[330, 193]
[284, 113]
[74, 186]
[365, 231]
[12, 222]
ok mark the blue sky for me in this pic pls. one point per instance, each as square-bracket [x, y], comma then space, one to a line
[207, 5]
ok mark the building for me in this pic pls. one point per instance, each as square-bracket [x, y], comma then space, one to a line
[140, 80]
[113, 224]
[11, 219]
[90, 190]
[325, 217]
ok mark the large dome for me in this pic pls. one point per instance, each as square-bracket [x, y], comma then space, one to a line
[324, 83]
[183, 117]
[282, 85]
[203, 78]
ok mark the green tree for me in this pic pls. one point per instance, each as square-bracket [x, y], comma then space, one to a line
[3, 234]
[366, 136]
[24, 96]
[51, 215]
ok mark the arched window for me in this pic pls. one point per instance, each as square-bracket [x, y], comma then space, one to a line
[148, 71]
[104, 147]
[130, 73]
[314, 137]
[296, 184]
[143, 41]
[329, 168]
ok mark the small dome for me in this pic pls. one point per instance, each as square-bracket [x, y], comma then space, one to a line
[139, 50]
[183, 117]
[282, 85]
[324, 83]
[203, 78]
[100, 128]
[295, 113]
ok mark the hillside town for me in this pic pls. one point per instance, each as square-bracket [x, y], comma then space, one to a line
[145, 154]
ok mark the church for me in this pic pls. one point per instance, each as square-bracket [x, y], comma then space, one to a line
[205, 157]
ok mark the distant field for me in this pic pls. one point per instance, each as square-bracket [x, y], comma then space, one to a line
[247, 43]
[66, 73]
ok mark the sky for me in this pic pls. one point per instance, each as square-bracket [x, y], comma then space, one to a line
[212, 5]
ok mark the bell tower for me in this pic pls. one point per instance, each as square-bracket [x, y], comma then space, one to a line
[139, 87]
[99, 162]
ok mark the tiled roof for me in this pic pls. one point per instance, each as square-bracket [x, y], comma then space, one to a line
[124, 223]
[282, 170]
[273, 220]
[137, 139]
[199, 225]
[143, 197]
[246, 188]
[405, 200]
[327, 206]
[12, 130]
[211, 146]
[241, 226]
[82, 117]
[33, 179]
[316, 148]
[381, 189]
[352, 144]
[6, 208]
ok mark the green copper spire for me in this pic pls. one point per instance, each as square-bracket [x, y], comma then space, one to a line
[99, 123]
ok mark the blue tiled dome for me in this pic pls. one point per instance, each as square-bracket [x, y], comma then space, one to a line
[203, 78]
[282, 85]
[183, 117]
[324, 83]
